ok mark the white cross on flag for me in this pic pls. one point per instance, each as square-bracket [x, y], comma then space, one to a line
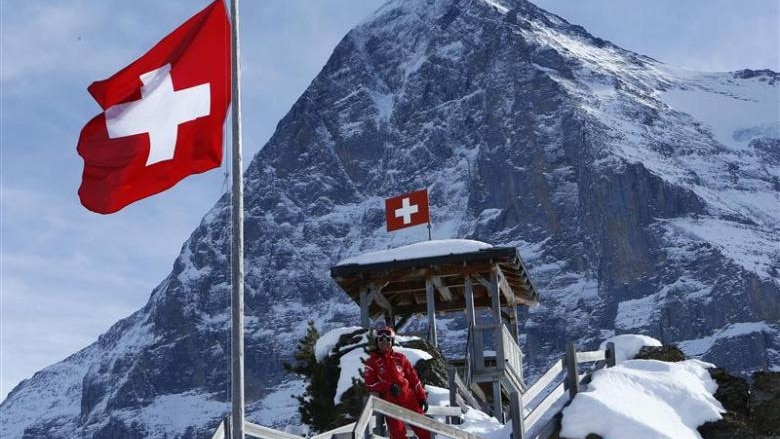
[163, 115]
[407, 210]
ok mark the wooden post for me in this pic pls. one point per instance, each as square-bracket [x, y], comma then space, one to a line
[610, 354]
[572, 375]
[496, 301]
[513, 323]
[453, 393]
[516, 410]
[477, 351]
[379, 426]
[364, 307]
[431, 303]
[498, 407]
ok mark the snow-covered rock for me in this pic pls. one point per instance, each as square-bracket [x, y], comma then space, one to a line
[644, 399]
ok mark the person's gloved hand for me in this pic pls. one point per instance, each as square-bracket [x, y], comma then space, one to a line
[395, 389]
[424, 405]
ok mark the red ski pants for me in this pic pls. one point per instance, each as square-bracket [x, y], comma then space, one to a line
[395, 427]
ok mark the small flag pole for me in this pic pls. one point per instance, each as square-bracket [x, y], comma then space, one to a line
[237, 246]
[429, 230]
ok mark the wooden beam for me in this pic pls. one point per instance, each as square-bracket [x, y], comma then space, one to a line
[477, 350]
[431, 302]
[364, 304]
[498, 406]
[504, 287]
[484, 282]
[421, 308]
[496, 299]
[382, 301]
[444, 290]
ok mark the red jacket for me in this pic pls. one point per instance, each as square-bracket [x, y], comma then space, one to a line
[382, 370]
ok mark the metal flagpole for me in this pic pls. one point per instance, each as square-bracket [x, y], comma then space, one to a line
[237, 255]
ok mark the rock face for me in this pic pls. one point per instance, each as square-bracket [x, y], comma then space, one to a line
[644, 199]
[752, 411]
[765, 403]
[669, 354]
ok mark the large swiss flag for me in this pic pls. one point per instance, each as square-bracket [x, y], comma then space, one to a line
[407, 210]
[163, 115]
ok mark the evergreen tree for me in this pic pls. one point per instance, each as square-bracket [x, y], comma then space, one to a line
[316, 404]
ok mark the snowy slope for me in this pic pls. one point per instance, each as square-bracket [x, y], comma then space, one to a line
[643, 198]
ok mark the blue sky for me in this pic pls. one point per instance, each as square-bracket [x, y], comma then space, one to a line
[68, 274]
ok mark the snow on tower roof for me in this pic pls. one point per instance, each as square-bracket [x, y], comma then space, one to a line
[425, 249]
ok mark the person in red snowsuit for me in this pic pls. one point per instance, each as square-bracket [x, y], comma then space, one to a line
[391, 375]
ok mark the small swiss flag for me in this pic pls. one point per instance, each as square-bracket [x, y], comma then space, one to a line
[163, 115]
[407, 210]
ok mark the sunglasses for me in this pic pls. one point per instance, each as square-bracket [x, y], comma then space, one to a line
[384, 338]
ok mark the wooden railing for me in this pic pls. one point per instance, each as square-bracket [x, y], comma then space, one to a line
[461, 395]
[359, 428]
[555, 388]
[513, 356]
[252, 430]
[376, 406]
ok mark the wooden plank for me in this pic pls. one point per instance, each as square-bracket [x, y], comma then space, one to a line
[361, 424]
[452, 372]
[588, 357]
[545, 405]
[513, 379]
[516, 410]
[364, 304]
[488, 375]
[443, 289]
[542, 383]
[498, 406]
[549, 428]
[328, 434]
[267, 433]
[499, 344]
[467, 394]
[455, 306]
[219, 433]
[610, 354]
[484, 282]
[513, 358]
[442, 410]
[380, 299]
[431, 302]
[572, 374]
[414, 418]
[504, 287]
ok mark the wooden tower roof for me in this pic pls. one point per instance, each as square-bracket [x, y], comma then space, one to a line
[399, 285]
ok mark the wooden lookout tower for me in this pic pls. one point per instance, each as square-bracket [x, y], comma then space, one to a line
[451, 276]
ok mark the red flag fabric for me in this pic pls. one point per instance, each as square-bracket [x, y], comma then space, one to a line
[163, 116]
[407, 210]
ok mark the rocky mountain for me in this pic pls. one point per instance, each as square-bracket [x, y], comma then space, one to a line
[644, 198]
